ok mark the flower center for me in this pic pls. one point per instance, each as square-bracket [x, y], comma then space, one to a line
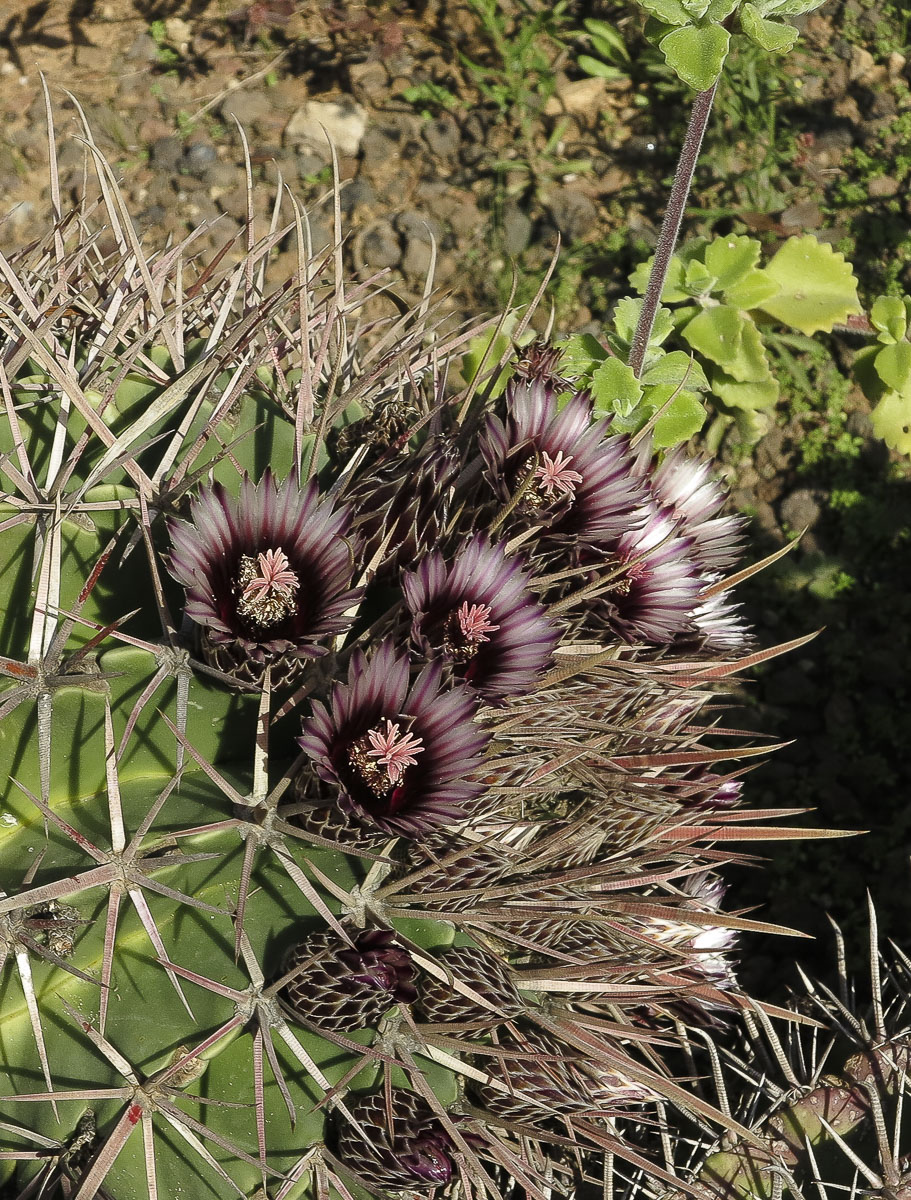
[628, 573]
[382, 756]
[266, 585]
[465, 629]
[554, 478]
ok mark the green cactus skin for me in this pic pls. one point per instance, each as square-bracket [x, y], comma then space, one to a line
[144, 1048]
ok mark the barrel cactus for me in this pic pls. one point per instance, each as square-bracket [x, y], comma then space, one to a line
[367, 794]
[823, 1095]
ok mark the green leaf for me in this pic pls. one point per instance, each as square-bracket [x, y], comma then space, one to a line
[889, 315]
[626, 318]
[699, 279]
[580, 354]
[607, 39]
[720, 10]
[696, 53]
[615, 389]
[759, 394]
[671, 12]
[676, 368]
[601, 70]
[753, 290]
[716, 334]
[684, 417]
[674, 284]
[730, 259]
[893, 366]
[774, 36]
[892, 421]
[817, 289]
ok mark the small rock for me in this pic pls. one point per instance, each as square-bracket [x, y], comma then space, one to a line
[801, 509]
[583, 97]
[860, 64]
[442, 136]
[221, 175]
[309, 166]
[895, 64]
[343, 121]
[369, 80]
[462, 213]
[378, 148]
[197, 158]
[517, 229]
[357, 193]
[805, 215]
[883, 187]
[848, 110]
[245, 106]
[380, 246]
[416, 260]
[178, 32]
[166, 153]
[574, 214]
[143, 49]
[419, 226]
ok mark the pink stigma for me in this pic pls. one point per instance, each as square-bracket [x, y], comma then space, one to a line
[475, 622]
[393, 750]
[275, 577]
[555, 475]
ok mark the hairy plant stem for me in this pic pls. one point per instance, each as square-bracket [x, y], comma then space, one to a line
[670, 226]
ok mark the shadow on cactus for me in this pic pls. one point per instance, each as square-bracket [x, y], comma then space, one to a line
[369, 786]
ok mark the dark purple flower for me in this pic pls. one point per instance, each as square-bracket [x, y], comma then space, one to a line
[479, 616]
[401, 758]
[404, 1146]
[684, 484]
[267, 573]
[345, 987]
[654, 587]
[575, 480]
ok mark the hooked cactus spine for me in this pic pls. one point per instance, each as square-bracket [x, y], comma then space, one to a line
[363, 825]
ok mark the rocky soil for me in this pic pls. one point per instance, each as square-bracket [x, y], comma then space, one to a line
[442, 139]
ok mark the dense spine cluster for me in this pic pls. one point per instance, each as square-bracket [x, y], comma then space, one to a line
[378, 767]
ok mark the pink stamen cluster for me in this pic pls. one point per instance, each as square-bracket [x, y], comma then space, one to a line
[555, 475]
[275, 577]
[475, 622]
[393, 750]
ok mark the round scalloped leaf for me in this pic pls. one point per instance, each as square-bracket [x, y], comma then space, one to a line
[760, 394]
[674, 289]
[696, 53]
[892, 421]
[580, 354]
[752, 291]
[615, 389]
[684, 418]
[730, 259]
[728, 338]
[774, 36]
[817, 288]
[676, 368]
[671, 12]
[889, 315]
[893, 366]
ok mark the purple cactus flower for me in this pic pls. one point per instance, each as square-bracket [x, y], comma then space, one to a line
[576, 481]
[398, 1143]
[401, 758]
[656, 587]
[479, 616]
[267, 573]
[684, 484]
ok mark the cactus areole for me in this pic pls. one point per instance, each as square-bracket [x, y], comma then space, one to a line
[352, 801]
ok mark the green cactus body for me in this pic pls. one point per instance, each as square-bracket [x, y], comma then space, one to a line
[499, 637]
